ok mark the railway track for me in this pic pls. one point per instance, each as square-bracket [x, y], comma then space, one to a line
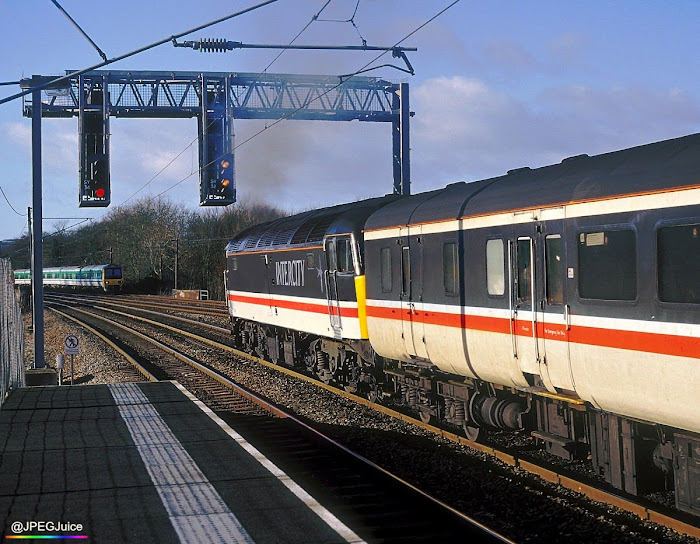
[520, 463]
[383, 507]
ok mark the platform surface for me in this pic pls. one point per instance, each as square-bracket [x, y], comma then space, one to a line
[143, 463]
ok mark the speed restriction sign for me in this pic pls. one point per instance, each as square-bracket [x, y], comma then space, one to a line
[71, 345]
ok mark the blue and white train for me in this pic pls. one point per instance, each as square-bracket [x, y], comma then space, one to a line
[105, 277]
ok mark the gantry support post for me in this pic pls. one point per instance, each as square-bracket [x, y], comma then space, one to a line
[37, 242]
[401, 142]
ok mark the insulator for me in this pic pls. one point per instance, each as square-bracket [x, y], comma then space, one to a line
[213, 45]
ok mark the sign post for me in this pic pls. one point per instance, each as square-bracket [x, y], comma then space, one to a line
[71, 347]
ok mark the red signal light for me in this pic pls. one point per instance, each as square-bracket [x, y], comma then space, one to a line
[100, 193]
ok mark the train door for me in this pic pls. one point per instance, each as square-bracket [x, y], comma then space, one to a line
[525, 292]
[553, 308]
[412, 294]
[269, 281]
[339, 265]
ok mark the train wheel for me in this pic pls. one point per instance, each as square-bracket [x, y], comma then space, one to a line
[425, 417]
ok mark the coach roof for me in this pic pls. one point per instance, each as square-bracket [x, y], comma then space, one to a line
[638, 170]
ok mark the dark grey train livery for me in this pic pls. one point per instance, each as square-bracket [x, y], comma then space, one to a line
[295, 291]
[563, 301]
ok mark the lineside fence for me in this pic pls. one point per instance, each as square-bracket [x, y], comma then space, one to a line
[11, 334]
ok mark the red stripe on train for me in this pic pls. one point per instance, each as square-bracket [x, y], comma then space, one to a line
[664, 344]
[293, 305]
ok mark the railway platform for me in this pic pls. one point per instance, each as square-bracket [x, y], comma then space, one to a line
[143, 462]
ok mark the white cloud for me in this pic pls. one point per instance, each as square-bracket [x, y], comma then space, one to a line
[18, 134]
[466, 130]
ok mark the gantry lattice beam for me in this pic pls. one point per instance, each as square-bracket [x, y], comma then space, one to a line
[252, 96]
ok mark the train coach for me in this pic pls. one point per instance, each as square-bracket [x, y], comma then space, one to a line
[105, 277]
[561, 301]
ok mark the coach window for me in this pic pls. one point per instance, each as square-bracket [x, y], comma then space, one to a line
[607, 265]
[234, 264]
[449, 268]
[555, 270]
[495, 275]
[310, 261]
[385, 266]
[678, 261]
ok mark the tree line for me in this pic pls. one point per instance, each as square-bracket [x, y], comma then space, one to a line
[146, 238]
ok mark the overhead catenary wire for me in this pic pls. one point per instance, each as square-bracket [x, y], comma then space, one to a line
[8, 203]
[351, 20]
[67, 77]
[76, 25]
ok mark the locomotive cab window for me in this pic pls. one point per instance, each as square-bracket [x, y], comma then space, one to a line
[495, 275]
[450, 271]
[344, 255]
[678, 262]
[607, 263]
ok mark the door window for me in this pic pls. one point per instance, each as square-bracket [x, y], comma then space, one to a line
[524, 270]
[449, 268]
[678, 257]
[554, 283]
[405, 271]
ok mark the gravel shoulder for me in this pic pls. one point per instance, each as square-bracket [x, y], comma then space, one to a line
[96, 363]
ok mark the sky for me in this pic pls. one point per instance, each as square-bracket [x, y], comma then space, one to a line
[498, 84]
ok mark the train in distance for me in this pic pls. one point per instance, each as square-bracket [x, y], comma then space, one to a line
[104, 277]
